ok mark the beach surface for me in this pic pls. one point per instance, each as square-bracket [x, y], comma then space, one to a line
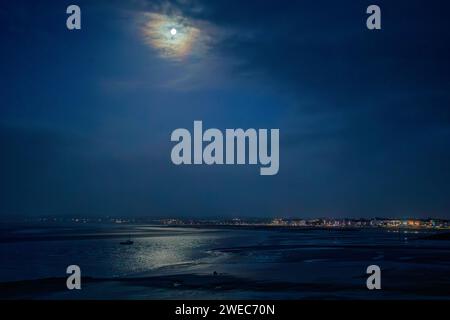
[220, 263]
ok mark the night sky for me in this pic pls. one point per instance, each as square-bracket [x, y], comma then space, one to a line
[86, 115]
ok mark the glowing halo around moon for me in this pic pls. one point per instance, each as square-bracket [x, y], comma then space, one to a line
[174, 37]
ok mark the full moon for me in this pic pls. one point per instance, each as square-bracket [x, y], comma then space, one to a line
[174, 37]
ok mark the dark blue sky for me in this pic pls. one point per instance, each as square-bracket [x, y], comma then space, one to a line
[364, 116]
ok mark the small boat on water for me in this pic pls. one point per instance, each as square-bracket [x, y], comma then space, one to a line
[128, 242]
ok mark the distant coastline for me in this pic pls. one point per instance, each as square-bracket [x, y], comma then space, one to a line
[303, 223]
